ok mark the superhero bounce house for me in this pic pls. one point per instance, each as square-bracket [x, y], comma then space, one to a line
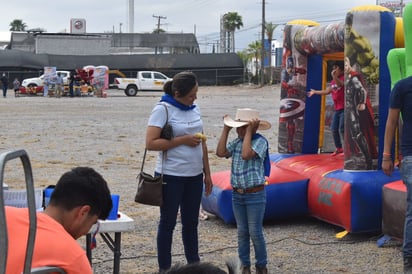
[345, 189]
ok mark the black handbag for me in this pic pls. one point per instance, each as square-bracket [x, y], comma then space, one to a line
[167, 130]
[149, 188]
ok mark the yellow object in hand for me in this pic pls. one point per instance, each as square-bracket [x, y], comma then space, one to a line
[201, 136]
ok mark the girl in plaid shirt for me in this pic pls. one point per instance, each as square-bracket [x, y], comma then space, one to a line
[250, 165]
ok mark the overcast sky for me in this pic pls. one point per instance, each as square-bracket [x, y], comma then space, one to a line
[201, 17]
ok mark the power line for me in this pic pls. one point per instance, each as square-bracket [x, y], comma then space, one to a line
[332, 16]
[316, 16]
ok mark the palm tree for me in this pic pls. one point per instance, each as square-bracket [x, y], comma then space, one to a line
[231, 22]
[245, 56]
[254, 49]
[18, 25]
[270, 28]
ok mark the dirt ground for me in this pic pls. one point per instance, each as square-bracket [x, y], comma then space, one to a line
[108, 134]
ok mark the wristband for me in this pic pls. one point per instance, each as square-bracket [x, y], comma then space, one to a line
[386, 154]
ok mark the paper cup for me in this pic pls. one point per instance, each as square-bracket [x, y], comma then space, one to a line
[115, 208]
[47, 194]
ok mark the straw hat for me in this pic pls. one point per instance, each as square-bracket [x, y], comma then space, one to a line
[243, 116]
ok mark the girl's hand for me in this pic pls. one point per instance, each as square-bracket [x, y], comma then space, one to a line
[310, 93]
[208, 185]
[192, 140]
[253, 125]
[334, 73]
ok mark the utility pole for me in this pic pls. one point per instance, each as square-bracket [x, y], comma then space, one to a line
[217, 46]
[402, 5]
[158, 21]
[131, 16]
[262, 50]
[158, 28]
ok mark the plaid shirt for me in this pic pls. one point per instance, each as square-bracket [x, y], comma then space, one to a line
[247, 173]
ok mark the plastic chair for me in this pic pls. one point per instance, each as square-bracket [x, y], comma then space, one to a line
[47, 270]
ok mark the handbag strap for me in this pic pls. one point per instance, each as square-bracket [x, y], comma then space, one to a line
[167, 121]
[144, 159]
[167, 114]
[164, 152]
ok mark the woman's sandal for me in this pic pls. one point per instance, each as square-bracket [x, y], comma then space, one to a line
[202, 215]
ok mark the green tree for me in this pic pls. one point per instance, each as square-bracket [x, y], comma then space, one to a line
[18, 25]
[270, 29]
[159, 30]
[254, 50]
[231, 22]
[245, 56]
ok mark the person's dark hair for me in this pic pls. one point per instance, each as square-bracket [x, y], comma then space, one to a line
[338, 64]
[83, 186]
[232, 264]
[183, 82]
[198, 268]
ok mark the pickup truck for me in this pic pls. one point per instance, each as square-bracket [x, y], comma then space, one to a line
[33, 86]
[38, 81]
[145, 80]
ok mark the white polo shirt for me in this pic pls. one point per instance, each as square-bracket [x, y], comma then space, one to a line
[182, 160]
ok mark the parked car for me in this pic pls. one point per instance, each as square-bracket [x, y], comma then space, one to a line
[38, 81]
[145, 80]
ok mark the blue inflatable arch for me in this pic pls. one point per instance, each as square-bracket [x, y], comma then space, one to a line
[365, 38]
[345, 190]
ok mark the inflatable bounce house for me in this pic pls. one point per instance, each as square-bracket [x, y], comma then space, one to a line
[346, 189]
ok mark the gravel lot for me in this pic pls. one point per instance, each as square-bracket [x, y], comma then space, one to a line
[108, 134]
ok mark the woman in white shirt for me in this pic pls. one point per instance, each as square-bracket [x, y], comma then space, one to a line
[185, 166]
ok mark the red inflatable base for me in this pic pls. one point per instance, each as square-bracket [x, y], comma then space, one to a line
[314, 185]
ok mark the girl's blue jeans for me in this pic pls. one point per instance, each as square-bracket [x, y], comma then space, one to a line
[338, 127]
[249, 210]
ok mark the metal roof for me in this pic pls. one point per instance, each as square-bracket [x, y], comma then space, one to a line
[119, 42]
[27, 60]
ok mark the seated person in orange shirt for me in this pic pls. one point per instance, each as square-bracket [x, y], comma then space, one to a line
[80, 198]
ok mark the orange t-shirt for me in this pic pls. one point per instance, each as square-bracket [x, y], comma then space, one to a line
[53, 245]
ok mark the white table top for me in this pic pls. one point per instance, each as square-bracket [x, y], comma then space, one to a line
[122, 224]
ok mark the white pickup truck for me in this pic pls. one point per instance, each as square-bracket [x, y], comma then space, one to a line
[39, 81]
[145, 80]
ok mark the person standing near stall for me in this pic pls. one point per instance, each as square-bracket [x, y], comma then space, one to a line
[59, 85]
[5, 83]
[16, 87]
